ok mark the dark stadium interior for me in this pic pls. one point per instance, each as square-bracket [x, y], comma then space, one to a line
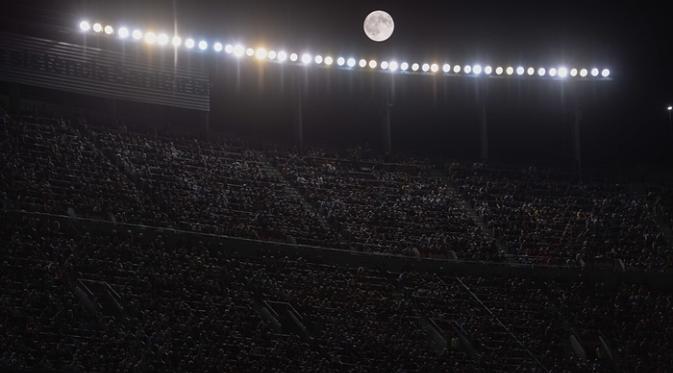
[514, 224]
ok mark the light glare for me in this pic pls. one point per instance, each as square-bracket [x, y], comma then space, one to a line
[329, 61]
[150, 38]
[362, 63]
[341, 61]
[137, 34]
[318, 59]
[294, 57]
[425, 67]
[415, 67]
[476, 69]
[239, 50]
[563, 72]
[404, 66]
[446, 68]
[282, 56]
[189, 43]
[393, 66]
[123, 32]
[456, 69]
[97, 27]
[109, 30]
[176, 41]
[488, 70]
[542, 71]
[162, 39]
[520, 70]
[306, 58]
[351, 62]
[84, 26]
[372, 64]
[203, 45]
[261, 54]
[217, 47]
[605, 73]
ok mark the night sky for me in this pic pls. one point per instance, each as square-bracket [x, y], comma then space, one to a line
[624, 120]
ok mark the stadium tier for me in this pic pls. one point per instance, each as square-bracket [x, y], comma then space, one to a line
[419, 208]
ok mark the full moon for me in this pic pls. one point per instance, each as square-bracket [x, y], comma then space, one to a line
[379, 25]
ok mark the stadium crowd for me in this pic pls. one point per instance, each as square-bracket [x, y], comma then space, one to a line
[191, 303]
[410, 207]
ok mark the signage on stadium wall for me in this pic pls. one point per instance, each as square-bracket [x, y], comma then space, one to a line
[104, 73]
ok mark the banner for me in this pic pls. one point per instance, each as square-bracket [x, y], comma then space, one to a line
[92, 71]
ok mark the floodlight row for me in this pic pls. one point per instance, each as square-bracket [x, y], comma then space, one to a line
[282, 56]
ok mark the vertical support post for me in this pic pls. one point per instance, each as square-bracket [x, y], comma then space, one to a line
[387, 118]
[577, 141]
[299, 119]
[484, 133]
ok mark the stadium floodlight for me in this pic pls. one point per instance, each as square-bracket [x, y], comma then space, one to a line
[499, 70]
[605, 73]
[415, 66]
[476, 69]
[84, 26]
[162, 39]
[384, 65]
[573, 72]
[372, 64]
[203, 45]
[393, 66]
[456, 69]
[97, 27]
[584, 73]
[446, 67]
[217, 47]
[425, 67]
[404, 66]
[552, 72]
[541, 71]
[594, 72]
[341, 61]
[562, 72]
[123, 32]
[282, 56]
[189, 43]
[329, 61]
[150, 38]
[530, 71]
[249, 52]
[362, 63]
[260, 54]
[467, 69]
[350, 62]
[509, 70]
[669, 108]
[294, 57]
[109, 30]
[434, 67]
[176, 41]
[137, 34]
[272, 54]
[318, 59]
[239, 50]
[520, 70]
[306, 58]
[228, 49]
[488, 70]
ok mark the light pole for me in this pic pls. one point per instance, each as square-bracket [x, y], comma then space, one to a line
[669, 109]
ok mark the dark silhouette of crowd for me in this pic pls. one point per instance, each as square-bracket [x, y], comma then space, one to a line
[409, 207]
[124, 251]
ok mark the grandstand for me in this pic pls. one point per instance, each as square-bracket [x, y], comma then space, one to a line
[141, 231]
